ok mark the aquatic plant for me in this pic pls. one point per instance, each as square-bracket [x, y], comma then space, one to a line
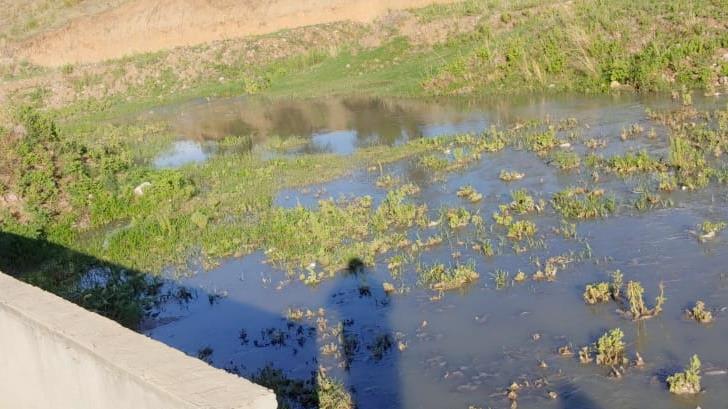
[468, 192]
[637, 308]
[667, 182]
[688, 381]
[631, 163]
[542, 142]
[709, 229]
[521, 229]
[595, 143]
[433, 162]
[500, 277]
[510, 175]
[700, 314]
[382, 344]
[597, 293]
[551, 267]
[387, 181]
[458, 217]
[565, 160]
[566, 230]
[648, 200]
[503, 216]
[610, 348]
[580, 203]
[689, 162]
[289, 392]
[522, 202]
[631, 132]
[440, 278]
[485, 247]
[331, 393]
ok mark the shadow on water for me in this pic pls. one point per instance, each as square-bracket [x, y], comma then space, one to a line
[352, 340]
[258, 343]
[571, 397]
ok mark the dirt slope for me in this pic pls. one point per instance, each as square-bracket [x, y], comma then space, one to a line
[149, 25]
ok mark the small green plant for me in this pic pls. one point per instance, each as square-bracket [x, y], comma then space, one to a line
[579, 203]
[522, 202]
[597, 293]
[631, 163]
[469, 193]
[688, 381]
[565, 160]
[611, 348]
[709, 229]
[637, 308]
[331, 393]
[521, 229]
[440, 278]
[542, 142]
[503, 216]
[700, 314]
[510, 176]
[485, 247]
[500, 277]
[458, 217]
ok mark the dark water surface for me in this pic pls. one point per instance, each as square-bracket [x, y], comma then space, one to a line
[467, 347]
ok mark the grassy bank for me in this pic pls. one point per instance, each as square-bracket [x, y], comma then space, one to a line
[471, 47]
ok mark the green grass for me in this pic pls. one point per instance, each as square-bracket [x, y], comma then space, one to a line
[440, 278]
[579, 203]
[514, 47]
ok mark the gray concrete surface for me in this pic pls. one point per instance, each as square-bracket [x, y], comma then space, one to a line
[54, 354]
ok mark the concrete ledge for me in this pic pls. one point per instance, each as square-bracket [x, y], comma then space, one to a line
[54, 354]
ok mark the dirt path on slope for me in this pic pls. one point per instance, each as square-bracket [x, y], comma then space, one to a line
[150, 25]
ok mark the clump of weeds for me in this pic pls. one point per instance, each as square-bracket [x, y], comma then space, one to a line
[469, 193]
[631, 163]
[637, 308]
[542, 142]
[648, 200]
[595, 143]
[610, 351]
[604, 292]
[331, 393]
[458, 217]
[510, 175]
[566, 230]
[709, 229]
[500, 277]
[522, 202]
[565, 160]
[688, 381]
[387, 181]
[580, 203]
[440, 278]
[632, 131]
[551, 267]
[485, 247]
[521, 230]
[700, 313]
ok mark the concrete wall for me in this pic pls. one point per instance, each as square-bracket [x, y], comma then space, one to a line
[54, 354]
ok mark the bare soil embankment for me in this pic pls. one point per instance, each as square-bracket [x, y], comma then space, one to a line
[138, 26]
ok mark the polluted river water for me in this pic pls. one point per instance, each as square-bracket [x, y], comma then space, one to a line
[396, 342]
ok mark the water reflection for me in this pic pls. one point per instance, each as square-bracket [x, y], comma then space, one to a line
[181, 153]
[344, 124]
